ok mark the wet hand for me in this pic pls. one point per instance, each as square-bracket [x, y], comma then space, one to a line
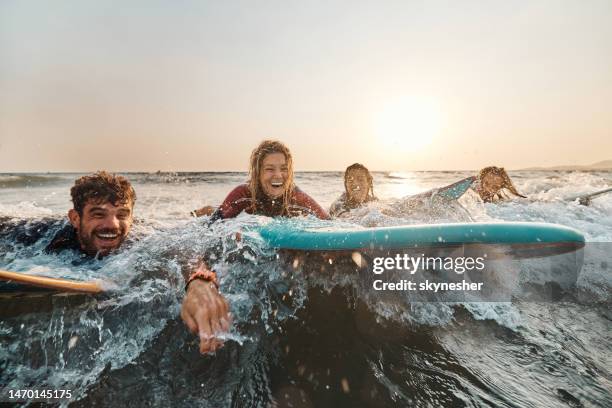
[206, 210]
[206, 313]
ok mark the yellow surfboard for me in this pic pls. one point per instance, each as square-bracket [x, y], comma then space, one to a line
[59, 285]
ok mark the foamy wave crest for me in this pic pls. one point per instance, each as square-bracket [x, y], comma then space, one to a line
[24, 209]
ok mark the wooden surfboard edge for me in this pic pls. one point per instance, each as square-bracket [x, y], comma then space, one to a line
[65, 285]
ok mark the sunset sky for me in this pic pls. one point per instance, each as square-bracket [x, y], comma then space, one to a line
[396, 85]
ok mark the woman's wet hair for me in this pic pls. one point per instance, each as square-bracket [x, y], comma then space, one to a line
[506, 182]
[257, 157]
[101, 187]
[359, 166]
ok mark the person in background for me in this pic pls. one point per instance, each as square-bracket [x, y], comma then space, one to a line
[358, 190]
[491, 185]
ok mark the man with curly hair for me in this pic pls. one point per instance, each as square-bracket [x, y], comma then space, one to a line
[101, 216]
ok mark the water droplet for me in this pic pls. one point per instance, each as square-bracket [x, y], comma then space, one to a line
[345, 385]
[72, 342]
[357, 258]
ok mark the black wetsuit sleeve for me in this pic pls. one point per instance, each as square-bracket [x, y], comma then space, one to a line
[338, 206]
[65, 239]
[31, 232]
[303, 200]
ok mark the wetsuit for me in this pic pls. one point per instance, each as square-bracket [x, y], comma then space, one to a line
[30, 232]
[239, 200]
[66, 238]
[341, 205]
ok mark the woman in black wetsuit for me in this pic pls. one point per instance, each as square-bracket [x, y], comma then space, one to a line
[358, 190]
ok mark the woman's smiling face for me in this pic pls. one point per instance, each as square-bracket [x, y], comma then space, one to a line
[357, 186]
[274, 174]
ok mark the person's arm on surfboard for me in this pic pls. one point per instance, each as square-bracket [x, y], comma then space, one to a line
[236, 201]
[204, 310]
[304, 200]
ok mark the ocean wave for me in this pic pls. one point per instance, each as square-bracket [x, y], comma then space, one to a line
[82, 337]
[296, 332]
[27, 180]
[178, 178]
[24, 209]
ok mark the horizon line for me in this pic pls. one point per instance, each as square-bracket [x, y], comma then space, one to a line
[554, 168]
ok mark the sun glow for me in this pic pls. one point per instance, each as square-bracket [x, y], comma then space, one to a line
[408, 123]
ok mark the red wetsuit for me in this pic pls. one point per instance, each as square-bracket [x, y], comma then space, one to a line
[239, 199]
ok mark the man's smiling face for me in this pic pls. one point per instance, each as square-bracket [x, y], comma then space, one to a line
[102, 226]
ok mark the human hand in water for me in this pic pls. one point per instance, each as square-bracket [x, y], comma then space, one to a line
[206, 210]
[206, 313]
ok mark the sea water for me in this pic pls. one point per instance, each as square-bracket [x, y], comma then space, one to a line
[298, 339]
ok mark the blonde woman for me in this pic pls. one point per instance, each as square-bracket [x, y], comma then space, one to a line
[270, 191]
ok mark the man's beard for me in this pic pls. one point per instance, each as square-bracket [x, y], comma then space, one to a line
[88, 244]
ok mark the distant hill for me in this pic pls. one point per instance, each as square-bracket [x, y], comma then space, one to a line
[602, 165]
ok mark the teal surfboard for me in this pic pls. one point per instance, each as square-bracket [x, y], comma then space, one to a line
[453, 191]
[290, 234]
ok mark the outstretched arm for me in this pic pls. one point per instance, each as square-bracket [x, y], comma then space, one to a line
[205, 311]
[304, 200]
